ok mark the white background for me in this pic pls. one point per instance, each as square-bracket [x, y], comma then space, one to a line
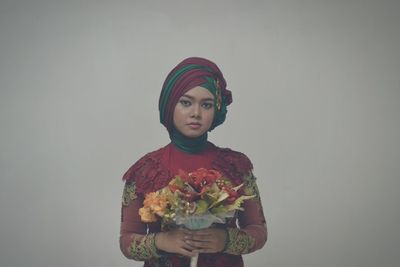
[316, 89]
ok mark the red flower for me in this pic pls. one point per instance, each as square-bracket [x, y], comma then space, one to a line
[203, 177]
[233, 195]
[184, 175]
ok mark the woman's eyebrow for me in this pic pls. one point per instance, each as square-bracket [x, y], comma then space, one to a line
[188, 96]
[204, 99]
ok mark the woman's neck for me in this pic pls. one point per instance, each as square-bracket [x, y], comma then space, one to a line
[186, 144]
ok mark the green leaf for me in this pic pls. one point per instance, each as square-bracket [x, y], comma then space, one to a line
[178, 181]
[237, 203]
[237, 187]
[219, 209]
[222, 195]
[202, 206]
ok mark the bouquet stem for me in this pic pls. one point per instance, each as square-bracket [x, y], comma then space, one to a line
[193, 261]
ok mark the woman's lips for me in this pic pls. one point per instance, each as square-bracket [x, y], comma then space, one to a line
[194, 125]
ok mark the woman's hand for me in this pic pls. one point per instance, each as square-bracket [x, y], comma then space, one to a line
[210, 240]
[174, 241]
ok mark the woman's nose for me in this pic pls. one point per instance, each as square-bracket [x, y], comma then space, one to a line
[196, 112]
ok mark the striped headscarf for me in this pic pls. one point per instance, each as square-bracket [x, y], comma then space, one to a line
[192, 72]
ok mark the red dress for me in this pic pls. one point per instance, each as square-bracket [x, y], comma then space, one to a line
[246, 232]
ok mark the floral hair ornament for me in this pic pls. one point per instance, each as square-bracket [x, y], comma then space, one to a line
[218, 96]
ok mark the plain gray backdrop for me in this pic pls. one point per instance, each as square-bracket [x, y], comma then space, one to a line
[316, 89]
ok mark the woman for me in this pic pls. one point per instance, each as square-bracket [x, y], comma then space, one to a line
[193, 101]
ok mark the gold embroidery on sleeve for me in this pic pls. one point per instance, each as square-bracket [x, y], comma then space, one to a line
[250, 185]
[129, 193]
[143, 248]
[239, 242]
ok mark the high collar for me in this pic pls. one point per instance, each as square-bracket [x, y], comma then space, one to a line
[186, 144]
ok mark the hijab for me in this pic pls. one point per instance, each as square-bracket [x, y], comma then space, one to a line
[190, 73]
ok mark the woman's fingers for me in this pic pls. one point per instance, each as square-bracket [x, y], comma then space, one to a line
[205, 236]
[187, 253]
[186, 231]
[207, 241]
[199, 244]
[188, 246]
[175, 241]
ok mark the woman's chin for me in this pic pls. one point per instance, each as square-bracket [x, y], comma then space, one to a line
[193, 134]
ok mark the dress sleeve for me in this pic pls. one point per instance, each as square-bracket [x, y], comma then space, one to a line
[252, 233]
[135, 241]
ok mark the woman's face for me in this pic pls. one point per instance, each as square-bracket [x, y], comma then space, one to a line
[194, 112]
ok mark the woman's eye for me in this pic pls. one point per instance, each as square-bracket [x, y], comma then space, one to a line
[208, 105]
[184, 103]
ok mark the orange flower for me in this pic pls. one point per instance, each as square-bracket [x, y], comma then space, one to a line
[146, 215]
[154, 203]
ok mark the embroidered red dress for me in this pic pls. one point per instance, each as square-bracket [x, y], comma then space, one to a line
[246, 232]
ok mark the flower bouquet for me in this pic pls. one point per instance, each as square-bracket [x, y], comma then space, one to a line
[196, 200]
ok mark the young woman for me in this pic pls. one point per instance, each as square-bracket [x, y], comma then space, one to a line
[193, 101]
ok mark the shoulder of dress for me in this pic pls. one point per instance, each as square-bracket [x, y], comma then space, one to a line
[148, 172]
[233, 163]
[227, 152]
[152, 158]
